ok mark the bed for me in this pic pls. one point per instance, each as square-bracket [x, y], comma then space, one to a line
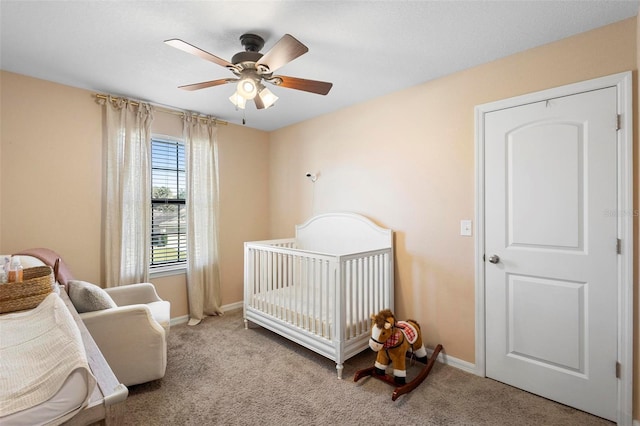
[52, 371]
[320, 288]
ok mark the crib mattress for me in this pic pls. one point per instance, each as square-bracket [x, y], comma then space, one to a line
[314, 315]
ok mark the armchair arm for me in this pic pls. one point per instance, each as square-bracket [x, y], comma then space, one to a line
[133, 294]
[132, 342]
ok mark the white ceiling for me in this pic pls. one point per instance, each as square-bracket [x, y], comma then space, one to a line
[366, 48]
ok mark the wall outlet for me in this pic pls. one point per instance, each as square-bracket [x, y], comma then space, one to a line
[465, 228]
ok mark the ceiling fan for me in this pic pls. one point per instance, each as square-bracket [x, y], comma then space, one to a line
[251, 68]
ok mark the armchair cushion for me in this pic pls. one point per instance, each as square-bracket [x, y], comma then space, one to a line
[87, 297]
[161, 312]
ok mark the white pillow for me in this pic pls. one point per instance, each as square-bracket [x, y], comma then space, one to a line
[87, 297]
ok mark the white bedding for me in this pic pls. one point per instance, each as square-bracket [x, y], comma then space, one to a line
[311, 313]
[44, 374]
[283, 300]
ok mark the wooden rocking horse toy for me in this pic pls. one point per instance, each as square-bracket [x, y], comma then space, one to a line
[394, 341]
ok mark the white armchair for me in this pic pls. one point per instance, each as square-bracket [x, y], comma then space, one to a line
[131, 332]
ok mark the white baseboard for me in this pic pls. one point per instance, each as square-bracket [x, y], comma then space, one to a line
[225, 308]
[232, 306]
[457, 363]
[178, 320]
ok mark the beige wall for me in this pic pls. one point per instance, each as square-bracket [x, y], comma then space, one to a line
[51, 182]
[406, 160]
[51, 171]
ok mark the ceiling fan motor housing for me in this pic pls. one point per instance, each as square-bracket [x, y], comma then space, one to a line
[252, 44]
[243, 57]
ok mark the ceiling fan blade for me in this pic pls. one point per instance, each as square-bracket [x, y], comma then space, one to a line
[313, 86]
[189, 48]
[258, 102]
[205, 84]
[284, 51]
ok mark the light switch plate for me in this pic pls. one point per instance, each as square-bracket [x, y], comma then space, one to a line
[465, 228]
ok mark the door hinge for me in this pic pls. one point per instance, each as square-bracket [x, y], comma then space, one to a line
[618, 121]
[619, 246]
[618, 370]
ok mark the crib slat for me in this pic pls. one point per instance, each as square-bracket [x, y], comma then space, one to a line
[348, 283]
[290, 283]
[325, 300]
[268, 284]
[278, 286]
[296, 289]
[314, 296]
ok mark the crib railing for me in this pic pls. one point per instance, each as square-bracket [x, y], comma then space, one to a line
[331, 297]
[366, 289]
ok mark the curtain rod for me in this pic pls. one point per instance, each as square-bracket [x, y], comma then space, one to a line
[159, 108]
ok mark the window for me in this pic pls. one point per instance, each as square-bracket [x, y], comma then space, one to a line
[168, 203]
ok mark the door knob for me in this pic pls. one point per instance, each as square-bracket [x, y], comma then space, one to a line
[494, 258]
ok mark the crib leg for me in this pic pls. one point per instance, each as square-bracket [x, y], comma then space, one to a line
[246, 324]
[339, 368]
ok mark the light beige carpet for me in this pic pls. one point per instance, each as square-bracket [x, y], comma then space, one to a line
[218, 373]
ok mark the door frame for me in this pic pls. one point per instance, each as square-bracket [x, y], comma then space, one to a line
[624, 213]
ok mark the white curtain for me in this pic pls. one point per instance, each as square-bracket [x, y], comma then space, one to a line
[203, 277]
[128, 194]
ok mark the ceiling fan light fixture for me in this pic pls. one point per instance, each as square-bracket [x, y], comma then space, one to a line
[247, 88]
[238, 100]
[251, 68]
[267, 97]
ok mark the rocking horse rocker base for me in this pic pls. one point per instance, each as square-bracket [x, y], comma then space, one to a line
[406, 388]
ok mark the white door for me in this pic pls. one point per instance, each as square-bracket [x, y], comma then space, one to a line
[550, 247]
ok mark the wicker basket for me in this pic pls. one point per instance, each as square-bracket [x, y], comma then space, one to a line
[36, 284]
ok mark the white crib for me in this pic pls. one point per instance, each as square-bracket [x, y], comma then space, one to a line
[320, 288]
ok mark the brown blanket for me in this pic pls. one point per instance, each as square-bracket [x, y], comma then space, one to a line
[49, 257]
